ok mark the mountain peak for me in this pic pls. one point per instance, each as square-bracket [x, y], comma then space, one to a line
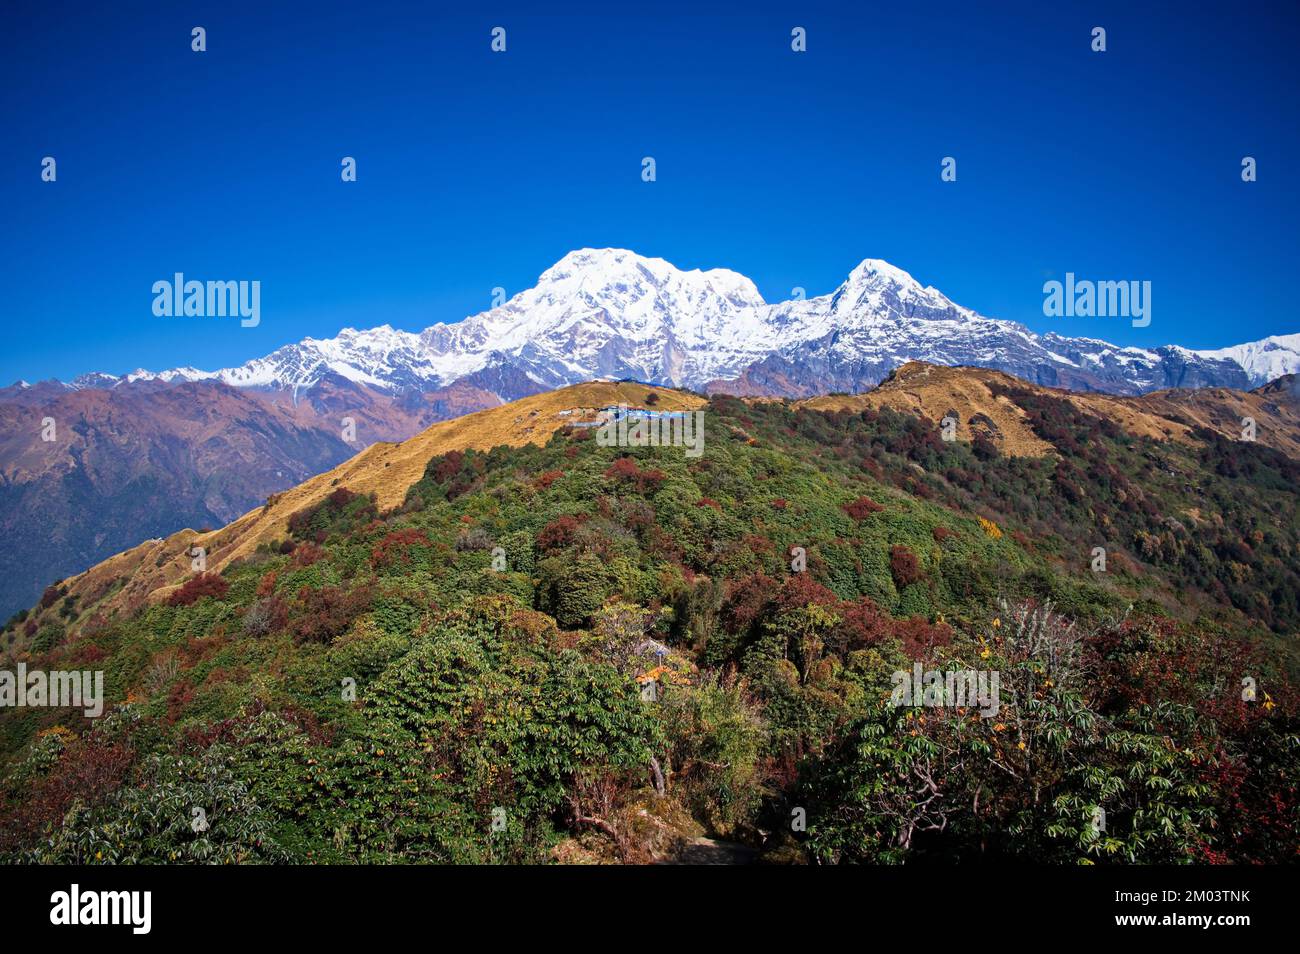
[1263, 360]
[612, 266]
[870, 269]
[93, 379]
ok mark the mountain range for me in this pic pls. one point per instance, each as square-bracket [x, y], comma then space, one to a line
[610, 313]
[144, 454]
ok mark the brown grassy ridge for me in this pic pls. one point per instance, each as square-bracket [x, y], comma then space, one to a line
[154, 568]
[931, 391]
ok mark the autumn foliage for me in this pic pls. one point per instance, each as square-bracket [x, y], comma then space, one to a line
[862, 508]
[195, 588]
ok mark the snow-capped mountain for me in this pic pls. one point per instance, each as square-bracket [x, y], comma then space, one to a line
[610, 313]
[1265, 360]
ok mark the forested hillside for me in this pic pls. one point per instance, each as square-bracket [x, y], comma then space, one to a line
[579, 653]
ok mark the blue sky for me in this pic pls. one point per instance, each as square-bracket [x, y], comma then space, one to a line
[478, 170]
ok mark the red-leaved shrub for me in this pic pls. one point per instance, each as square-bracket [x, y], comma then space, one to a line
[904, 566]
[547, 478]
[862, 508]
[195, 588]
[325, 614]
[559, 533]
[393, 547]
[626, 471]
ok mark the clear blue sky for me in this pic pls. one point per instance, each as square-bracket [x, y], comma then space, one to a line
[479, 169]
